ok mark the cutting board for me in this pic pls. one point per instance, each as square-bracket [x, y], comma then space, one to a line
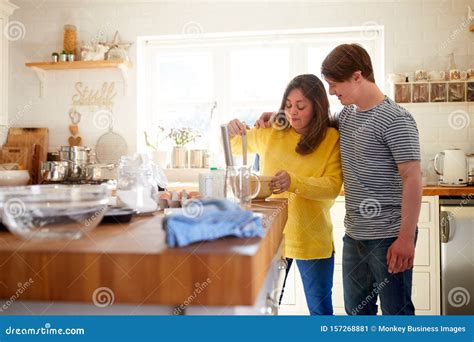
[20, 155]
[36, 139]
[23, 136]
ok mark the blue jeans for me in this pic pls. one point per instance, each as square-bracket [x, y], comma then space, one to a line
[317, 275]
[365, 277]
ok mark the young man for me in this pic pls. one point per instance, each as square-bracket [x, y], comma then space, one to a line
[380, 156]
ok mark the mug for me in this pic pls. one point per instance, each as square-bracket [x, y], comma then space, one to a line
[437, 75]
[395, 78]
[239, 185]
[470, 74]
[456, 75]
[421, 75]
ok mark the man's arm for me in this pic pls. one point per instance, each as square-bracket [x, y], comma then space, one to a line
[402, 252]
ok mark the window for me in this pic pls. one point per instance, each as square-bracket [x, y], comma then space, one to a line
[202, 83]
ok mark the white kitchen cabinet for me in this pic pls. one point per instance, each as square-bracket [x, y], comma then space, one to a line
[6, 9]
[426, 283]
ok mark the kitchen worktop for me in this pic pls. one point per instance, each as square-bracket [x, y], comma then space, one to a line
[436, 190]
[134, 262]
[429, 190]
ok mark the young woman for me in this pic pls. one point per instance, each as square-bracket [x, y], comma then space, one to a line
[301, 152]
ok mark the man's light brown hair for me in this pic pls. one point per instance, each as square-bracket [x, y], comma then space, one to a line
[346, 59]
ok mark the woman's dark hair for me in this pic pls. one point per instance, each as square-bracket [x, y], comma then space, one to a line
[313, 89]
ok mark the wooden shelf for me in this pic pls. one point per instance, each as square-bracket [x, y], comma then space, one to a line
[78, 65]
[40, 68]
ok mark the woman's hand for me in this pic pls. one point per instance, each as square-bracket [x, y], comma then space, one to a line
[264, 120]
[236, 127]
[280, 182]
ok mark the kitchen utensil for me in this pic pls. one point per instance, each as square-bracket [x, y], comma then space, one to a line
[27, 137]
[212, 183]
[195, 158]
[75, 154]
[470, 169]
[14, 177]
[94, 172]
[395, 78]
[456, 75]
[9, 166]
[421, 75]
[18, 155]
[451, 165]
[226, 143]
[436, 75]
[117, 215]
[110, 147]
[244, 146]
[136, 185]
[54, 171]
[50, 212]
[265, 190]
[179, 157]
[239, 187]
[470, 74]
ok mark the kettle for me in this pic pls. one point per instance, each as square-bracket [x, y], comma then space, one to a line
[453, 169]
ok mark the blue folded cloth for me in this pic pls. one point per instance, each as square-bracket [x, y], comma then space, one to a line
[210, 219]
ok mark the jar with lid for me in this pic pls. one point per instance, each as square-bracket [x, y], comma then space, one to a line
[136, 185]
[70, 39]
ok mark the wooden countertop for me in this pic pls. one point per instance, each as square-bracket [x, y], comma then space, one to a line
[434, 190]
[135, 263]
[448, 191]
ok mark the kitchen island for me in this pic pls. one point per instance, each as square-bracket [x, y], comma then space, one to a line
[128, 269]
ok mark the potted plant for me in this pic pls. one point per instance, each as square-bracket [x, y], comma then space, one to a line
[181, 137]
[70, 56]
[63, 56]
[158, 152]
[55, 57]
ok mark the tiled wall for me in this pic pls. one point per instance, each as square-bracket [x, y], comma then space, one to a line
[418, 34]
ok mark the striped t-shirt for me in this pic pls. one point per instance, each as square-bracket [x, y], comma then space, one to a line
[373, 142]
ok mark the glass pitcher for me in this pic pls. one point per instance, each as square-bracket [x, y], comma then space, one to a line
[240, 187]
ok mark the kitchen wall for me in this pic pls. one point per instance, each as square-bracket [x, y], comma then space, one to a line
[418, 34]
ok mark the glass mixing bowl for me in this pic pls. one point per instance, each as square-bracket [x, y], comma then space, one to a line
[53, 211]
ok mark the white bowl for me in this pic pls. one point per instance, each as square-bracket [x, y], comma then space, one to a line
[14, 177]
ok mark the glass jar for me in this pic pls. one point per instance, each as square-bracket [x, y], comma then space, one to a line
[136, 185]
[70, 39]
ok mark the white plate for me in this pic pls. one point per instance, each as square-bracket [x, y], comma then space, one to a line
[453, 185]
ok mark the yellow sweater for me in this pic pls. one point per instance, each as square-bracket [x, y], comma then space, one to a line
[316, 181]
